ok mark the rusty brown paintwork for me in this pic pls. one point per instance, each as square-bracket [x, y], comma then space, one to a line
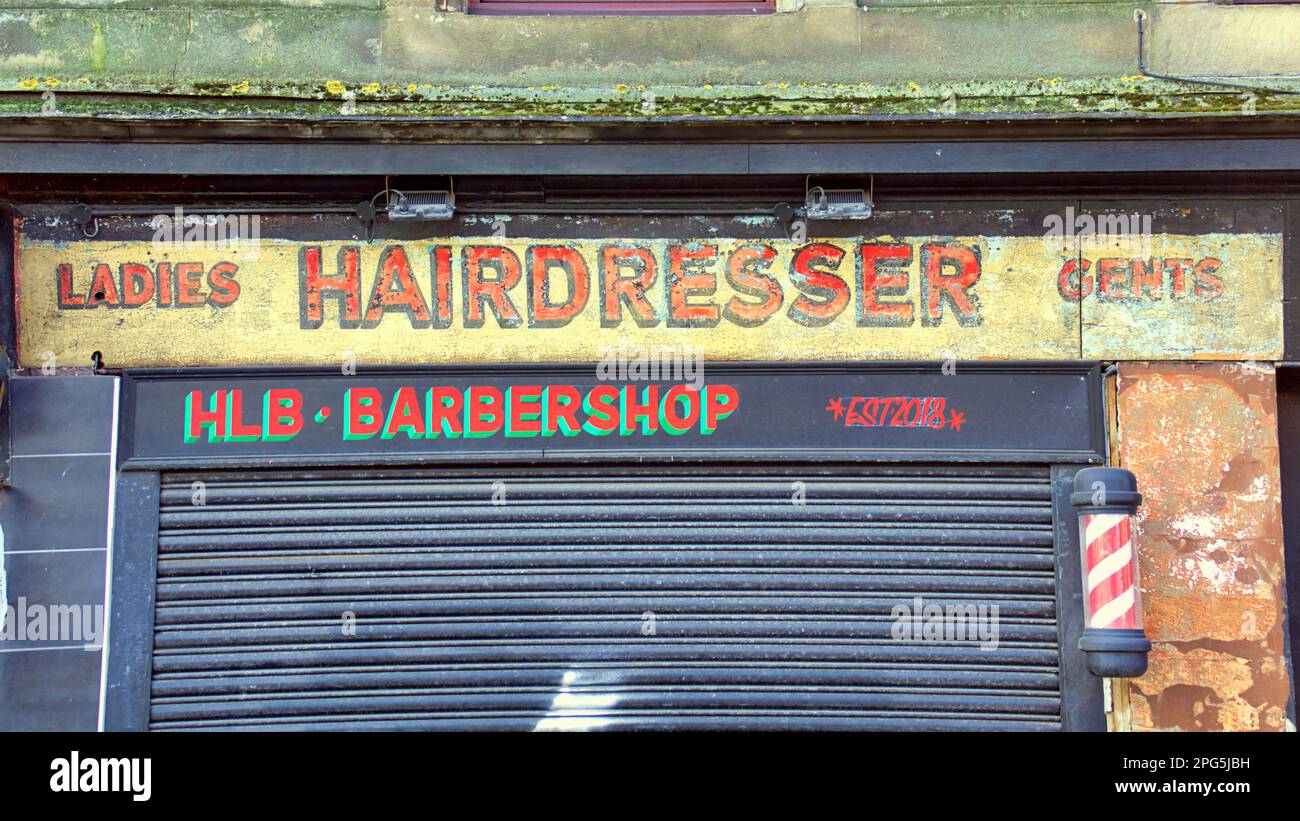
[1202, 439]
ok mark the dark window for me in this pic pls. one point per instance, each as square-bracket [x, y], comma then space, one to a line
[599, 7]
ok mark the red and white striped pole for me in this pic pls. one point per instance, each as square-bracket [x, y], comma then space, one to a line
[1113, 640]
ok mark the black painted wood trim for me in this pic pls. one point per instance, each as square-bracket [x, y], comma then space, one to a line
[134, 575]
[1082, 705]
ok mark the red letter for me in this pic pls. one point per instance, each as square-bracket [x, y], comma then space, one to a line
[404, 414]
[939, 287]
[1073, 282]
[479, 291]
[1208, 286]
[647, 410]
[560, 405]
[617, 291]
[872, 283]
[720, 401]
[102, 289]
[440, 273]
[444, 407]
[393, 268]
[361, 419]
[813, 272]
[224, 290]
[214, 418]
[67, 299]
[687, 277]
[314, 288]
[137, 284]
[236, 430]
[187, 284]
[747, 273]
[282, 414]
[483, 415]
[542, 313]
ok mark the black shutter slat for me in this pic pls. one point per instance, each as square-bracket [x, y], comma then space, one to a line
[767, 614]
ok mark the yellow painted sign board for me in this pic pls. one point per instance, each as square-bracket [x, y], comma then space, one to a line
[483, 300]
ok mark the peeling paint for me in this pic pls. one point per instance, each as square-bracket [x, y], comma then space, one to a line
[1202, 439]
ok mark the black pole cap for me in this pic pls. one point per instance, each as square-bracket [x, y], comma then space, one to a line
[1115, 653]
[1105, 490]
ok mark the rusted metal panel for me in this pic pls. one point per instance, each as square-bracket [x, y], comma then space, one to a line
[1202, 439]
[940, 293]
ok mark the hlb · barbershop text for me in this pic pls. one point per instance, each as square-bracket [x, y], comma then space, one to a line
[477, 411]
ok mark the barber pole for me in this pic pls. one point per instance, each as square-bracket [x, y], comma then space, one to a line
[1113, 640]
[1108, 562]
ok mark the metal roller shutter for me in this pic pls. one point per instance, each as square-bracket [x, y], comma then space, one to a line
[645, 596]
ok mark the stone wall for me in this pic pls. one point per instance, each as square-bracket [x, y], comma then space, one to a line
[914, 58]
[1202, 439]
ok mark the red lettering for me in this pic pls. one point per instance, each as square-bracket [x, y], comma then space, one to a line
[1073, 282]
[445, 409]
[823, 295]
[198, 417]
[524, 403]
[876, 279]
[543, 313]
[617, 290]
[314, 288]
[103, 290]
[188, 282]
[646, 409]
[137, 284]
[953, 289]
[1208, 286]
[223, 289]
[688, 276]
[493, 292]
[720, 401]
[483, 416]
[67, 299]
[404, 415]
[282, 414]
[560, 407]
[747, 273]
[361, 415]
[406, 297]
[440, 257]
[236, 430]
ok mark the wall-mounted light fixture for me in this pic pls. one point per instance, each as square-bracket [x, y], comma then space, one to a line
[834, 203]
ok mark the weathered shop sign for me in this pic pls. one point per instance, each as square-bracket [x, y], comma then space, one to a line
[278, 301]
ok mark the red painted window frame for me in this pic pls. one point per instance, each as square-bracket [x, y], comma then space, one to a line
[595, 8]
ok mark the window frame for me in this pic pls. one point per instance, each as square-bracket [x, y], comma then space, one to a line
[596, 8]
